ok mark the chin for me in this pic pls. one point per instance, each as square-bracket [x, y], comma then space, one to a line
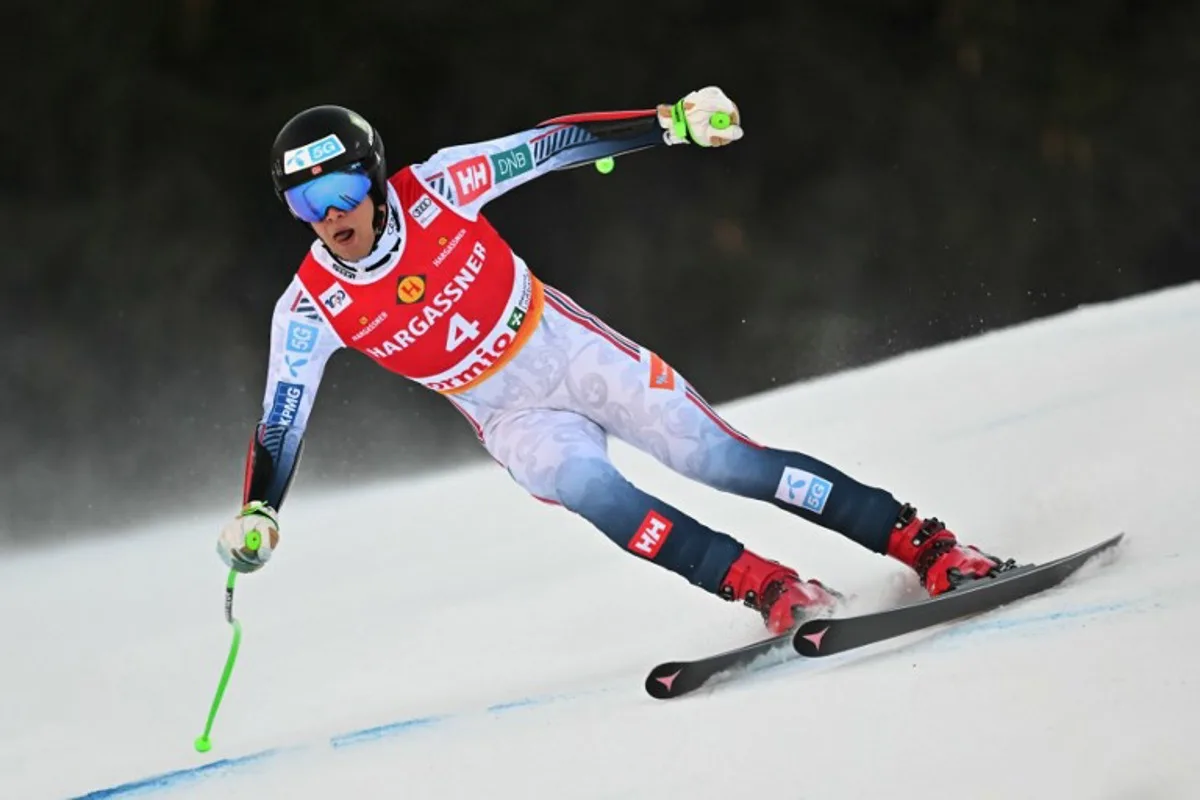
[351, 252]
[347, 255]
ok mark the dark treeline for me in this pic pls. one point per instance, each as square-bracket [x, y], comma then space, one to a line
[913, 172]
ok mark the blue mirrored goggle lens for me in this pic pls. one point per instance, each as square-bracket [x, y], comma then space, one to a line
[341, 190]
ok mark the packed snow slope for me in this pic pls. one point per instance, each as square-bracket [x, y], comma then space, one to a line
[451, 637]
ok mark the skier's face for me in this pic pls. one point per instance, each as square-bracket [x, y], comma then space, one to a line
[348, 234]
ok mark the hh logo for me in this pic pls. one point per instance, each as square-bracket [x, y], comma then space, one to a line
[472, 178]
[651, 534]
[410, 289]
[661, 374]
[803, 489]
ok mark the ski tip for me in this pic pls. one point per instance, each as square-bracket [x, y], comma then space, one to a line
[1106, 546]
[1109, 548]
[662, 680]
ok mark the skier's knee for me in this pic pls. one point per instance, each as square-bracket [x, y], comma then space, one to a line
[644, 525]
[583, 482]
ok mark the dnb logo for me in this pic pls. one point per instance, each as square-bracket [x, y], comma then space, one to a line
[651, 535]
[286, 404]
[803, 489]
[511, 163]
[312, 154]
[410, 289]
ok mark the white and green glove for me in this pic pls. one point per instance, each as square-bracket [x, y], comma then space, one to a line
[706, 117]
[247, 541]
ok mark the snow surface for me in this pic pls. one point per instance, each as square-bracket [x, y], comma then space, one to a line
[497, 646]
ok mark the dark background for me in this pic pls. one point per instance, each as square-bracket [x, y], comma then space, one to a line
[913, 172]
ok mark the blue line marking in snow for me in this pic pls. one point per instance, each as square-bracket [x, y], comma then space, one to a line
[172, 779]
[178, 777]
[1069, 402]
[383, 731]
[523, 703]
[1003, 623]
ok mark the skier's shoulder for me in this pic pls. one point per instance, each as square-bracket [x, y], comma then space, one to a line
[408, 184]
[295, 301]
[416, 183]
[406, 176]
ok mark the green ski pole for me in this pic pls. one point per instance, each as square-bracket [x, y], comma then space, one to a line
[203, 743]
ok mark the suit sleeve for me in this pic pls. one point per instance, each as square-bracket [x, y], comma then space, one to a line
[469, 176]
[301, 344]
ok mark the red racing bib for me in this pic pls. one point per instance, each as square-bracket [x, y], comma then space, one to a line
[456, 306]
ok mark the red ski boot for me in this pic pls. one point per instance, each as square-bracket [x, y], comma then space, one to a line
[776, 592]
[934, 553]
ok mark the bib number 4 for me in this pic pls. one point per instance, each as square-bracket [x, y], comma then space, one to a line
[460, 332]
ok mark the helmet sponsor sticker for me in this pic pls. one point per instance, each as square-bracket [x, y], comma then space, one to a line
[312, 154]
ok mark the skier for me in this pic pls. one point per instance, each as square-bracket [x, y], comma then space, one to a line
[406, 270]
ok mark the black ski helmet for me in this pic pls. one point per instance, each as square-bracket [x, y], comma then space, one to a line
[341, 136]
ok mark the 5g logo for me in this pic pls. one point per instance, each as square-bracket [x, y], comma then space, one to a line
[312, 154]
[302, 338]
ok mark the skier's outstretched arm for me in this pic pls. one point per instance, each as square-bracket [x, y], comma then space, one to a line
[301, 343]
[468, 176]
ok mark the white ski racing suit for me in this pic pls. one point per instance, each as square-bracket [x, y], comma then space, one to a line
[444, 301]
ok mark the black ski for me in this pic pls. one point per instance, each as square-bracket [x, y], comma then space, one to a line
[674, 678]
[824, 637]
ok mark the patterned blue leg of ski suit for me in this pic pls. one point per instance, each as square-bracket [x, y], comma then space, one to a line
[547, 414]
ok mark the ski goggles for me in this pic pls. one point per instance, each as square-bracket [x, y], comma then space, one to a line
[312, 200]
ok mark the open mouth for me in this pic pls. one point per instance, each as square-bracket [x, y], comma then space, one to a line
[344, 236]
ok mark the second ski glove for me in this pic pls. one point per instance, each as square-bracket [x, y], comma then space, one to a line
[247, 541]
[706, 117]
